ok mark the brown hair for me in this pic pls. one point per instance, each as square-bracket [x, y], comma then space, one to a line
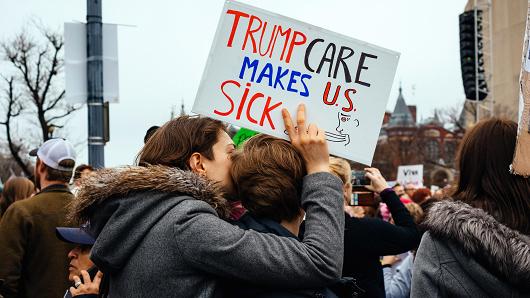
[484, 158]
[268, 173]
[16, 188]
[173, 144]
[415, 211]
[80, 168]
[58, 175]
[421, 195]
[340, 168]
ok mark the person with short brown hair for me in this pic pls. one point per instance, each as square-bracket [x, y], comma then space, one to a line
[268, 175]
[477, 243]
[16, 188]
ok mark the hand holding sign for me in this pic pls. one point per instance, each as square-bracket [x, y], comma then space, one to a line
[309, 141]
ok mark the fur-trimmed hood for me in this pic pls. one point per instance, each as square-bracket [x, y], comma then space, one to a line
[502, 250]
[120, 182]
[124, 205]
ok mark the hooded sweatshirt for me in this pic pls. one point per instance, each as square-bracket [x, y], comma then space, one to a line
[160, 232]
[467, 253]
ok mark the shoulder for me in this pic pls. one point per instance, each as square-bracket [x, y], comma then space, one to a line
[190, 207]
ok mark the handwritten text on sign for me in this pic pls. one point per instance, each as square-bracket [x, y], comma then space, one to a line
[261, 62]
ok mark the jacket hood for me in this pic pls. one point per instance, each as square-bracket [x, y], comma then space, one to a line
[501, 249]
[122, 205]
[120, 182]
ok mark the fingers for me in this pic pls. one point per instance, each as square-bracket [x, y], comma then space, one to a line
[98, 277]
[373, 171]
[312, 130]
[76, 279]
[300, 119]
[288, 122]
[86, 277]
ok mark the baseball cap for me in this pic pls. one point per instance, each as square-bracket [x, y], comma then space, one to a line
[53, 151]
[74, 235]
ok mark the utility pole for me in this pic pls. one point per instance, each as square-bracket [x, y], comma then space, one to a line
[96, 143]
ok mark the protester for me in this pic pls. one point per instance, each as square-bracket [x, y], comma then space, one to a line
[366, 239]
[32, 259]
[16, 188]
[410, 188]
[478, 244]
[159, 228]
[397, 270]
[81, 171]
[421, 195]
[399, 189]
[150, 132]
[339, 167]
[268, 175]
[80, 263]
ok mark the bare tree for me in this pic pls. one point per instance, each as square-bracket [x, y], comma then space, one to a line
[14, 108]
[35, 72]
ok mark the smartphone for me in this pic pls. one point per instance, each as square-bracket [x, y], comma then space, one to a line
[361, 196]
[359, 178]
[92, 271]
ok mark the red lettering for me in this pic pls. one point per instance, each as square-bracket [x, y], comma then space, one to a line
[243, 99]
[237, 15]
[326, 95]
[227, 97]
[287, 34]
[256, 96]
[266, 112]
[250, 32]
[294, 42]
[350, 103]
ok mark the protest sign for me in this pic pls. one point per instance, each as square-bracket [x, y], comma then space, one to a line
[261, 62]
[410, 174]
[521, 159]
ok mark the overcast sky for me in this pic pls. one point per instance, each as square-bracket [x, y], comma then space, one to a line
[162, 55]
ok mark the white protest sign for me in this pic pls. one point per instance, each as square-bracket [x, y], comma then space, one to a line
[75, 58]
[261, 62]
[410, 174]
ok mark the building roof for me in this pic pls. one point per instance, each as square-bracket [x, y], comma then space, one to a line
[401, 117]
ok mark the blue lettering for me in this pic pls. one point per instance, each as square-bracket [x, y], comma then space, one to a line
[306, 90]
[266, 72]
[294, 74]
[279, 76]
[247, 64]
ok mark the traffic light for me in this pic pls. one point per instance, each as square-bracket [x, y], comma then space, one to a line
[472, 65]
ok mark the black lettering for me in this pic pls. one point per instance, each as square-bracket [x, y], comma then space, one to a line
[329, 60]
[341, 59]
[361, 67]
[308, 51]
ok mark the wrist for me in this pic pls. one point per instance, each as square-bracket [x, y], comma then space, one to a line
[317, 169]
[386, 191]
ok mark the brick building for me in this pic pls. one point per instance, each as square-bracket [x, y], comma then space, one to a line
[405, 141]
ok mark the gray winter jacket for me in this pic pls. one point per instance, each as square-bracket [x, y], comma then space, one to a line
[467, 253]
[159, 234]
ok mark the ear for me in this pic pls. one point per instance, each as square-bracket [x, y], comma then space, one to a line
[40, 166]
[196, 164]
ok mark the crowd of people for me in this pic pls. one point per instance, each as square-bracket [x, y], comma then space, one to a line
[198, 217]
